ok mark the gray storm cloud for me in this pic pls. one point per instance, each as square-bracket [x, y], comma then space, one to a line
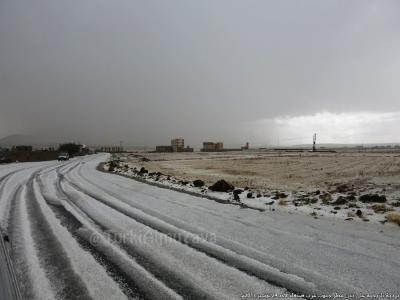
[102, 71]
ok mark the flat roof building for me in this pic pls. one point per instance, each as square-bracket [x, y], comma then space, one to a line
[164, 149]
[177, 144]
[212, 147]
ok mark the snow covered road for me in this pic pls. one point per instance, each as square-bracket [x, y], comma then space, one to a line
[77, 232]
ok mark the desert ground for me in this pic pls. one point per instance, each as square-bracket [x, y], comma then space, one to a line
[278, 170]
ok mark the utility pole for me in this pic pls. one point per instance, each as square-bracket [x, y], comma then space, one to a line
[314, 142]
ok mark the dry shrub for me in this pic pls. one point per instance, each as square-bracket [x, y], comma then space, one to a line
[379, 208]
[393, 217]
[350, 214]
[282, 202]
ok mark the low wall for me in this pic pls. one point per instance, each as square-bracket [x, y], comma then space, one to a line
[26, 156]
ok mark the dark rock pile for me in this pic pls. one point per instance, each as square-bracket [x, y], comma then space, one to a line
[142, 171]
[221, 186]
[112, 166]
[373, 198]
[198, 183]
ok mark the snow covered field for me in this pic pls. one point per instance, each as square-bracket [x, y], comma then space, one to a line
[359, 187]
[77, 232]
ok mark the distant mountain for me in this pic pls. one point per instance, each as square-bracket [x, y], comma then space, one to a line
[22, 139]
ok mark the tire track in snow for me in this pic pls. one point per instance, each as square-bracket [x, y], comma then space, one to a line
[175, 280]
[73, 225]
[126, 284]
[6, 200]
[34, 283]
[328, 285]
[291, 283]
[321, 282]
[99, 283]
[52, 257]
[182, 283]
[13, 215]
[136, 281]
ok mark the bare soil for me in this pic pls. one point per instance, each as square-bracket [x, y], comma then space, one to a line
[277, 170]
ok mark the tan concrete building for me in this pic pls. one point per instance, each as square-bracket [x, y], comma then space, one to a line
[178, 144]
[211, 146]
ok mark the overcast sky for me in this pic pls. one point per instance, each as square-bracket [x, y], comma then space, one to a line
[101, 71]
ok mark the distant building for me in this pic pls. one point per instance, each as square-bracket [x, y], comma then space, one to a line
[187, 149]
[246, 147]
[164, 149]
[178, 144]
[212, 147]
[208, 146]
[110, 149]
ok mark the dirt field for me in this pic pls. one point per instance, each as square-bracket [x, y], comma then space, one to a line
[273, 170]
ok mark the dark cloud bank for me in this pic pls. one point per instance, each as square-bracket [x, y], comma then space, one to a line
[143, 71]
